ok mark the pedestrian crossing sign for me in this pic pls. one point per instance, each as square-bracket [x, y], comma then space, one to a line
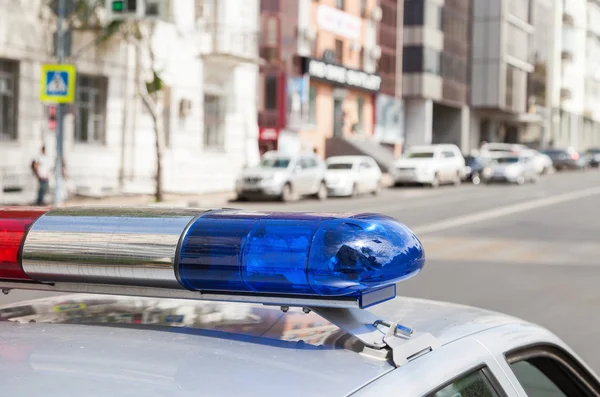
[57, 83]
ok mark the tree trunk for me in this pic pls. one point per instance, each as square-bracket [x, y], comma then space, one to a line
[159, 136]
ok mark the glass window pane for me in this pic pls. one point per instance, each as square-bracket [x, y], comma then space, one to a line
[271, 92]
[472, 385]
[534, 381]
[312, 105]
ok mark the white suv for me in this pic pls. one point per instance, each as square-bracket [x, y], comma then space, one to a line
[430, 165]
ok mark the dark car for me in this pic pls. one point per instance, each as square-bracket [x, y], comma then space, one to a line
[475, 165]
[564, 159]
[593, 157]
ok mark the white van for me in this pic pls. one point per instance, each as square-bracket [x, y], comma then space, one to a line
[430, 165]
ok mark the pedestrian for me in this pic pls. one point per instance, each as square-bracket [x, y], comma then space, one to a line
[42, 167]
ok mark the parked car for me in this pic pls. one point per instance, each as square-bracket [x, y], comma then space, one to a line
[283, 176]
[566, 159]
[430, 165]
[352, 175]
[474, 167]
[497, 147]
[512, 169]
[593, 155]
[541, 161]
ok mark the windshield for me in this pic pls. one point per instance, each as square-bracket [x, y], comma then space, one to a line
[275, 162]
[419, 155]
[340, 166]
[506, 160]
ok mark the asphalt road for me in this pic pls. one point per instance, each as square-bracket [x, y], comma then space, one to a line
[530, 251]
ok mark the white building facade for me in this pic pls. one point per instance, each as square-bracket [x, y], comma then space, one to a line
[207, 58]
[579, 98]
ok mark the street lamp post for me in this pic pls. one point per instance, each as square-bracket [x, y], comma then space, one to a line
[60, 47]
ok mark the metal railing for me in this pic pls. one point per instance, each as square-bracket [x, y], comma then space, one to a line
[228, 40]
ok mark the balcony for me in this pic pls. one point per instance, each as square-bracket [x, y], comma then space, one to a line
[228, 45]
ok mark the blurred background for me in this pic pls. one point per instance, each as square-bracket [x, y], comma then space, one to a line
[475, 122]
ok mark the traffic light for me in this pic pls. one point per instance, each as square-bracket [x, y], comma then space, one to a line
[121, 10]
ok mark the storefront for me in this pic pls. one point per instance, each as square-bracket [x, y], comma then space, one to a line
[341, 101]
[267, 140]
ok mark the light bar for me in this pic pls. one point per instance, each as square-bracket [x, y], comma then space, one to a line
[264, 257]
[14, 223]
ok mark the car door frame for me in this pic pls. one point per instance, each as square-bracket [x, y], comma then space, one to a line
[449, 166]
[314, 174]
[364, 176]
[441, 366]
[297, 176]
[579, 374]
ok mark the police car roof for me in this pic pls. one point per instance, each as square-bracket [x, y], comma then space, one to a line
[143, 346]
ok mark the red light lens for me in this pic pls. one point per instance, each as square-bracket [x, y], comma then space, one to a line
[14, 223]
[575, 156]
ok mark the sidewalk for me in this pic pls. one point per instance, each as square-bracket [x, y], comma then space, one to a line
[210, 200]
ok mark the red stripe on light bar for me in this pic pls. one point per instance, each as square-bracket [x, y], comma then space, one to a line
[14, 223]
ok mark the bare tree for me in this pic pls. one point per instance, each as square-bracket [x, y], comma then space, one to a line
[86, 17]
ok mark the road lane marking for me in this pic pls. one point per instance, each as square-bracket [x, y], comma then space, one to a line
[515, 251]
[504, 211]
[427, 201]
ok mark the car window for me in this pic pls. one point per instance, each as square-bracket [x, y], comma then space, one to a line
[448, 154]
[274, 162]
[534, 381]
[506, 160]
[419, 155]
[311, 162]
[340, 166]
[475, 384]
[365, 166]
[302, 163]
[551, 372]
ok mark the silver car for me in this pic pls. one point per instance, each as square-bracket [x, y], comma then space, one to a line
[511, 168]
[187, 302]
[129, 346]
[283, 176]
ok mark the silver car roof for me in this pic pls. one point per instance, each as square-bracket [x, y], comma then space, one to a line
[104, 345]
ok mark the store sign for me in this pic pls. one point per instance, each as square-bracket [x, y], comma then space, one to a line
[340, 75]
[268, 134]
[339, 22]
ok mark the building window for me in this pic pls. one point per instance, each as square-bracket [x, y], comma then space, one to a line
[90, 104]
[312, 105]
[271, 32]
[412, 59]
[361, 56]
[340, 4]
[200, 9]
[360, 102]
[9, 79]
[214, 121]
[413, 12]
[339, 52]
[363, 8]
[431, 61]
[510, 81]
[271, 92]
